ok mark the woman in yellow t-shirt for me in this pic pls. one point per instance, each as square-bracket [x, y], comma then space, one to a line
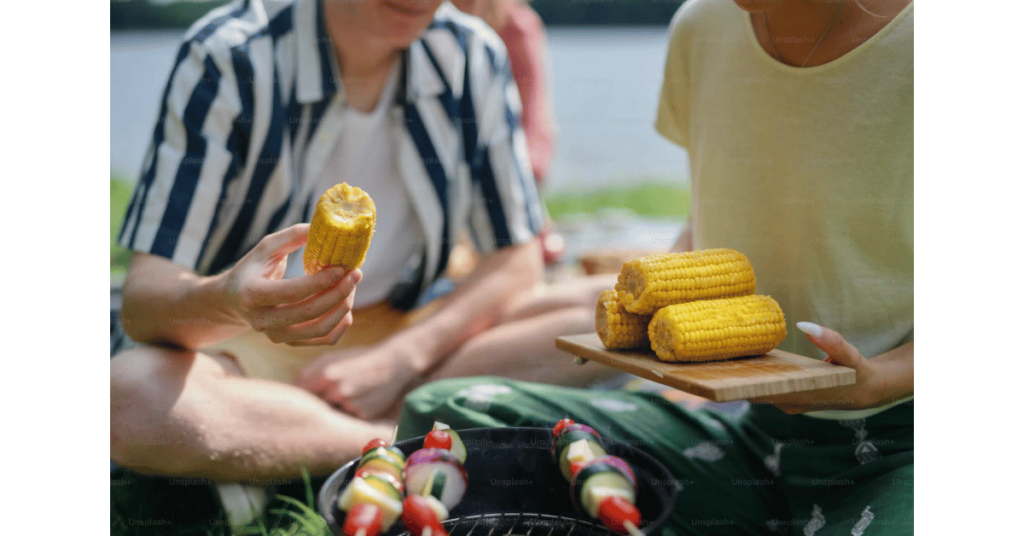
[798, 119]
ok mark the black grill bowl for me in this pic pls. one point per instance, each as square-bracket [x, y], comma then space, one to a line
[516, 488]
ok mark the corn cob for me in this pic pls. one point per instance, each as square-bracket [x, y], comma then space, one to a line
[707, 330]
[617, 328]
[341, 229]
[649, 283]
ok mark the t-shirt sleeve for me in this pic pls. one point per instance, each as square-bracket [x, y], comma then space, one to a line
[193, 153]
[506, 205]
[672, 120]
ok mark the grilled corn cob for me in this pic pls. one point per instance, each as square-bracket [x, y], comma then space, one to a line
[649, 283]
[341, 229]
[618, 328]
[707, 330]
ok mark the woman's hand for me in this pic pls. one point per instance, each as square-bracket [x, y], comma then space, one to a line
[868, 392]
[364, 382]
[303, 311]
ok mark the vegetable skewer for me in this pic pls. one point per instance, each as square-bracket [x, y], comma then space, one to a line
[603, 486]
[435, 480]
[373, 499]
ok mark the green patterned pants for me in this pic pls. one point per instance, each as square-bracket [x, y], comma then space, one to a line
[763, 472]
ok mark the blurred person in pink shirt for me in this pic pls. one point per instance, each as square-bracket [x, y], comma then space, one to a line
[522, 31]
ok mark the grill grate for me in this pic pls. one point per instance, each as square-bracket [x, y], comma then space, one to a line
[521, 524]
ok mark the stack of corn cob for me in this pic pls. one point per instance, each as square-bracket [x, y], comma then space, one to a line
[693, 306]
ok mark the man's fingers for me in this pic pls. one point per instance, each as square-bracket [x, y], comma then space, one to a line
[314, 380]
[314, 376]
[307, 376]
[289, 291]
[320, 327]
[341, 401]
[284, 241]
[347, 407]
[331, 337]
[838, 349]
[316, 306]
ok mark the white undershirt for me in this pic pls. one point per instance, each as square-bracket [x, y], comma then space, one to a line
[365, 157]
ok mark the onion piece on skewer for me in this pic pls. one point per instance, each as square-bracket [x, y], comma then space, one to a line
[436, 472]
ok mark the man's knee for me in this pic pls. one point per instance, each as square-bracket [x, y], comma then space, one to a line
[148, 425]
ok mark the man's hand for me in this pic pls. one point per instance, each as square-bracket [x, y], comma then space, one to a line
[868, 392]
[367, 382]
[303, 311]
[364, 382]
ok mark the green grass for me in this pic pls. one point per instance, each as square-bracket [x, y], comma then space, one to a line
[120, 196]
[653, 199]
[142, 505]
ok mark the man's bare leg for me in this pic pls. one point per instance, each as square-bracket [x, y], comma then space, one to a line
[523, 346]
[182, 413]
[582, 292]
[525, 350]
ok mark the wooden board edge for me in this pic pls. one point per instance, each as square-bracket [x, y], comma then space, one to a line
[563, 343]
[567, 344]
[837, 378]
[726, 393]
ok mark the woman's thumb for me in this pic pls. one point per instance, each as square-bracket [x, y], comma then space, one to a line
[838, 349]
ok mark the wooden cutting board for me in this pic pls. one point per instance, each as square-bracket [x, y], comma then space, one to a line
[774, 373]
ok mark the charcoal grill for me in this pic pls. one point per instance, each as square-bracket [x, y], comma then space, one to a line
[515, 488]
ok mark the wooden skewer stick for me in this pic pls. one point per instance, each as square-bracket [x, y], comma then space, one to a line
[427, 531]
[633, 531]
[394, 435]
[361, 532]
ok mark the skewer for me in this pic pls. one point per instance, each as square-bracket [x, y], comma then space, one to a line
[427, 531]
[361, 532]
[633, 531]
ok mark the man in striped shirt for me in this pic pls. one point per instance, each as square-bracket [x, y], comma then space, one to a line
[269, 103]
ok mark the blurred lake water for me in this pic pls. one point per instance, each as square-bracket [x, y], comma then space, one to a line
[604, 81]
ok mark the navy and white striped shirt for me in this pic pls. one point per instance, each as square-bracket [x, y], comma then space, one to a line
[254, 106]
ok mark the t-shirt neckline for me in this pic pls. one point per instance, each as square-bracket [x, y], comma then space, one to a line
[387, 95]
[759, 51]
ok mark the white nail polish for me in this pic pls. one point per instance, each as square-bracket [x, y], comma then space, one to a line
[809, 328]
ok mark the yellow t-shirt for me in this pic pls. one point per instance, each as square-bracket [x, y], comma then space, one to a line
[808, 171]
